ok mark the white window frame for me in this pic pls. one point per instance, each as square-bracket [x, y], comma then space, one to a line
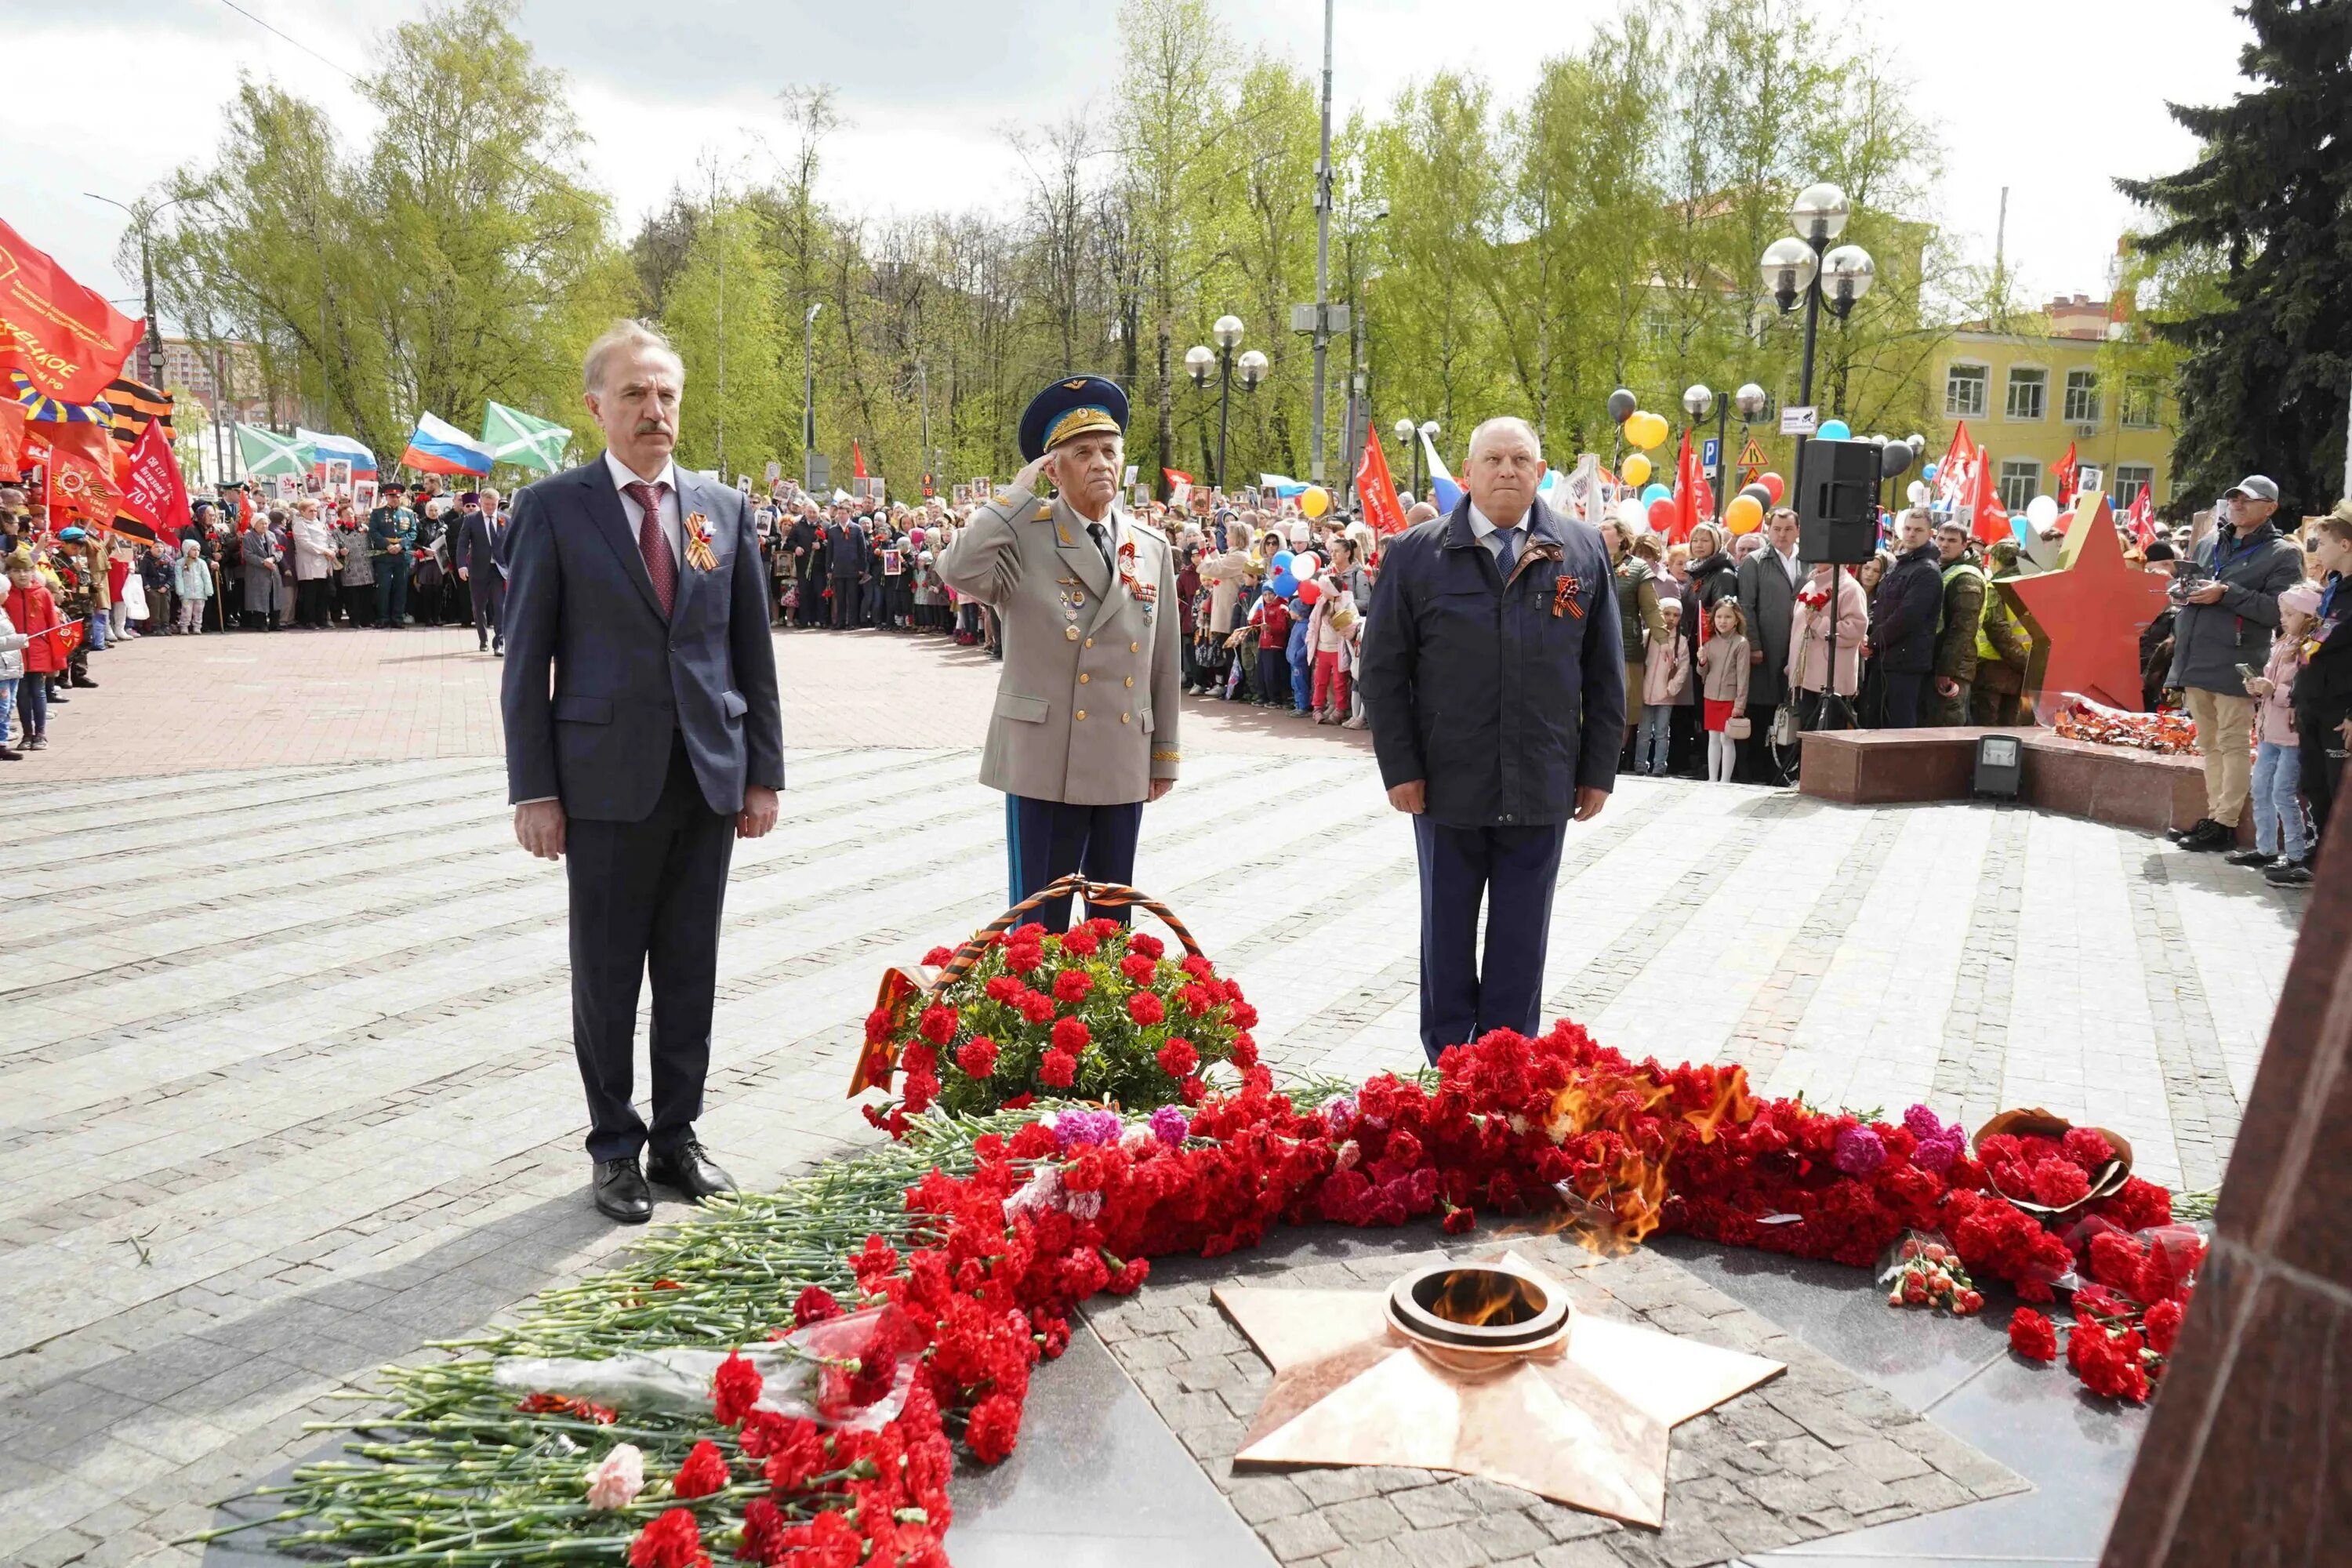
[2027, 469]
[1984, 389]
[2098, 414]
[2009, 383]
[2130, 478]
[2155, 389]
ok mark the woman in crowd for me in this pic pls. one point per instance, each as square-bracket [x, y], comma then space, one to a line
[314, 567]
[355, 577]
[258, 559]
[1808, 643]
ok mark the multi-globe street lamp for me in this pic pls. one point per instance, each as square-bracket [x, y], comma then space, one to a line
[1802, 266]
[1199, 358]
[1405, 431]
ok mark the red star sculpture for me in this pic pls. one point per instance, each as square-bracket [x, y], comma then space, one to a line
[2087, 618]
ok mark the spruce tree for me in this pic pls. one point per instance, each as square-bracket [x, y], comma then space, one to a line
[2268, 348]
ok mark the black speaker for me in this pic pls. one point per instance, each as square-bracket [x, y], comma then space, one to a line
[1837, 500]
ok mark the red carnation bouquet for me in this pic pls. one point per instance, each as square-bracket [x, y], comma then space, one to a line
[1101, 1013]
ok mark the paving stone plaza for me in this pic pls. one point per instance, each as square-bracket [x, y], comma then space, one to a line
[287, 1083]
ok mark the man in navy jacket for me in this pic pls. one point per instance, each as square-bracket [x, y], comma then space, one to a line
[1494, 668]
[644, 735]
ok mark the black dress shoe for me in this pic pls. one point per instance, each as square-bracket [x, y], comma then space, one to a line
[621, 1194]
[2290, 874]
[689, 1169]
[2179, 834]
[2208, 836]
[2254, 857]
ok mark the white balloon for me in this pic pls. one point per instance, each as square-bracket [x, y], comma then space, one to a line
[2041, 510]
[1630, 512]
[1917, 492]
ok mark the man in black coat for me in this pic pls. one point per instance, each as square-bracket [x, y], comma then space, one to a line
[1493, 669]
[644, 737]
[1903, 618]
[844, 546]
[474, 555]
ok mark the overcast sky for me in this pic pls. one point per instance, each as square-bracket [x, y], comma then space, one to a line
[2051, 100]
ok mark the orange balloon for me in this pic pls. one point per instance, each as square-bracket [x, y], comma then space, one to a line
[1744, 514]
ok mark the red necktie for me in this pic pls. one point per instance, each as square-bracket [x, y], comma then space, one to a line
[653, 540]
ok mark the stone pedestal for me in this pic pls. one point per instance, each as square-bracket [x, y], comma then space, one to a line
[2249, 1456]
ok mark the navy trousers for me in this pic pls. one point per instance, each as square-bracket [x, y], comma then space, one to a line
[1045, 840]
[1511, 870]
[646, 896]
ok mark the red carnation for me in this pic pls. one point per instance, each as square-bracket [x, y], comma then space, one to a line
[1057, 1069]
[703, 1472]
[815, 1305]
[2087, 1148]
[2163, 1324]
[828, 1541]
[1178, 1059]
[1035, 1007]
[1145, 1008]
[673, 1540]
[1137, 968]
[1197, 966]
[995, 1428]
[1082, 942]
[878, 1025]
[937, 957]
[763, 1533]
[1459, 1220]
[1023, 958]
[877, 1260]
[2032, 1335]
[1071, 1035]
[1149, 946]
[1002, 988]
[1245, 1016]
[939, 1025]
[1072, 985]
[2107, 1364]
[978, 1059]
[734, 1389]
[1245, 1050]
[2059, 1183]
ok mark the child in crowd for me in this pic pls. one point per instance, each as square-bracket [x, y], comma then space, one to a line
[32, 613]
[12, 670]
[2279, 837]
[192, 581]
[1665, 668]
[1722, 687]
[1273, 649]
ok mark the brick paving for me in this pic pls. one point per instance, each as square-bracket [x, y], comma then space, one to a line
[285, 1074]
[1816, 1451]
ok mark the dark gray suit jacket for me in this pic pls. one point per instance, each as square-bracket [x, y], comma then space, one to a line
[597, 679]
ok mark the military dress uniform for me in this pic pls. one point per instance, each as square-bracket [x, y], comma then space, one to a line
[1088, 708]
[391, 543]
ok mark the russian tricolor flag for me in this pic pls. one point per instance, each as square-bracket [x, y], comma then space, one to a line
[338, 448]
[438, 447]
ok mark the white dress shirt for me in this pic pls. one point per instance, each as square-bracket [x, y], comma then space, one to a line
[1787, 559]
[1485, 531]
[673, 519]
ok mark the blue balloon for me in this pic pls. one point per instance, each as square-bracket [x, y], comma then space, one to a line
[1835, 430]
[1929, 472]
[1656, 492]
[1282, 560]
[2021, 527]
[1284, 584]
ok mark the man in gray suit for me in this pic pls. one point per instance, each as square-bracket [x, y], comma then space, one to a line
[1084, 728]
[1769, 581]
[644, 737]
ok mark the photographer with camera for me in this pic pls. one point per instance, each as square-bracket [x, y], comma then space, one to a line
[2229, 595]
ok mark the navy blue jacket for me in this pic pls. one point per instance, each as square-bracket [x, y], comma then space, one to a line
[597, 679]
[1506, 698]
[1906, 612]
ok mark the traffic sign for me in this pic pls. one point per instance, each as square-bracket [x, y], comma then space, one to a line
[1801, 420]
[1708, 451]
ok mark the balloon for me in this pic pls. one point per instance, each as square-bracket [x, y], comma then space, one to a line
[2020, 526]
[1928, 473]
[1308, 592]
[1894, 458]
[1316, 502]
[1763, 496]
[1284, 584]
[1744, 515]
[1776, 485]
[1650, 494]
[1637, 469]
[1629, 511]
[1661, 514]
[2042, 511]
[1622, 403]
[1835, 430]
[1282, 560]
[1916, 493]
[1645, 430]
[1304, 565]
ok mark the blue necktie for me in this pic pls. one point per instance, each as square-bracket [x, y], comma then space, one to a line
[1510, 551]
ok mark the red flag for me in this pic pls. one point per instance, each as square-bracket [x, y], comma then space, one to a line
[1687, 488]
[1991, 517]
[67, 340]
[1176, 475]
[2141, 515]
[2069, 474]
[82, 470]
[12, 438]
[151, 491]
[1376, 491]
[857, 460]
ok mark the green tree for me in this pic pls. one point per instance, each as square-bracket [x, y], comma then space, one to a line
[2267, 344]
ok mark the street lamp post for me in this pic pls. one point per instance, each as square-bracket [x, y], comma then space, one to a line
[1227, 331]
[1698, 399]
[1797, 265]
[1404, 430]
[143, 219]
[808, 396]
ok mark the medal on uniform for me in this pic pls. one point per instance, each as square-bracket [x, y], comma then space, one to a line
[1565, 597]
[699, 553]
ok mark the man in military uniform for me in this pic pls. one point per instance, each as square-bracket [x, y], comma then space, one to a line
[1084, 731]
[392, 545]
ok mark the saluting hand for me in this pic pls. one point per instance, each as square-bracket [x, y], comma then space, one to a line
[1027, 479]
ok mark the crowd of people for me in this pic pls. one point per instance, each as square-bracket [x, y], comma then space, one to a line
[1734, 646]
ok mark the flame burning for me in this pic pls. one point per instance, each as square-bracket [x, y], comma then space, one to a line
[1477, 1297]
[1616, 1203]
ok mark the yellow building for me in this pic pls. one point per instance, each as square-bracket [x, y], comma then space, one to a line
[2051, 380]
